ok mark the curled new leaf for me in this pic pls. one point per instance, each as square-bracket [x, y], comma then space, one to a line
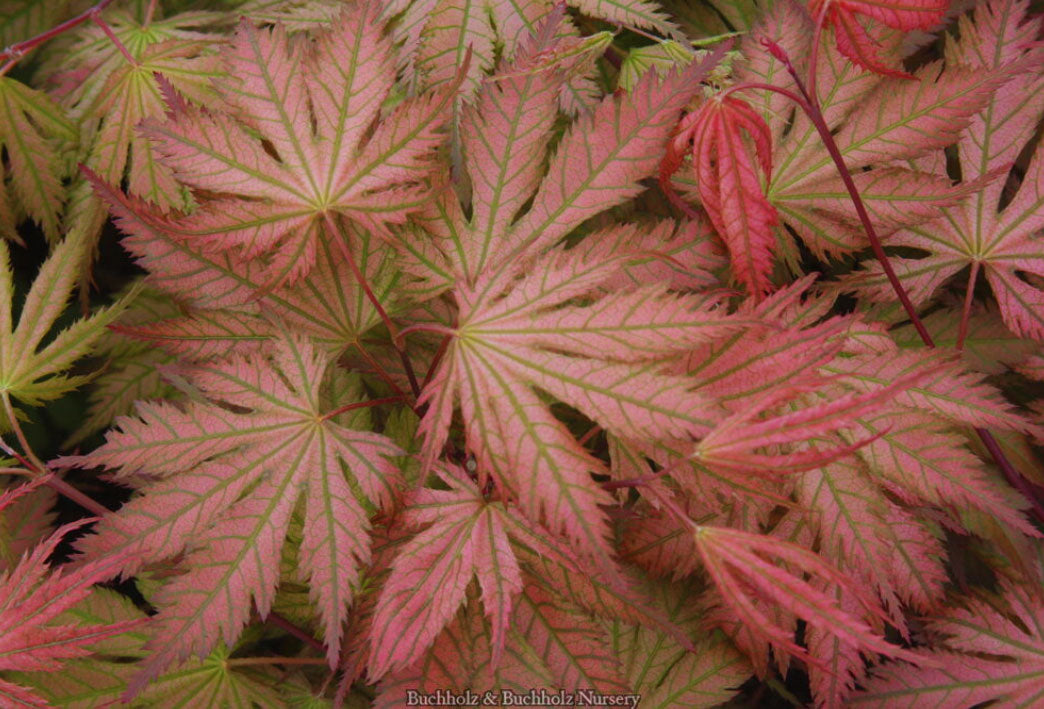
[730, 144]
[853, 39]
[739, 563]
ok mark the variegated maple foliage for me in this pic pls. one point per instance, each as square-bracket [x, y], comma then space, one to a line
[502, 348]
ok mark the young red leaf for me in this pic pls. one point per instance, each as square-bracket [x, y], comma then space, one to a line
[856, 43]
[739, 564]
[730, 186]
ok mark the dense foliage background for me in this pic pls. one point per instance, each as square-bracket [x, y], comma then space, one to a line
[687, 350]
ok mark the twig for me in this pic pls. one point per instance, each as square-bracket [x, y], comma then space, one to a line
[361, 405]
[150, 12]
[14, 53]
[37, 468]
[364, 284]
[962, 330]
[811, 108]
[298, 632]
[96, 18]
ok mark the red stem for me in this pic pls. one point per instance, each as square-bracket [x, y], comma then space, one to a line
[150, 11]
[96, 18]
[18, 50]
[287, 625]
[362, 405]
[811, 108]
[36, 466]
[439, 354]
[381, 372]
[645, 479]
[969, 294]
[365, 285]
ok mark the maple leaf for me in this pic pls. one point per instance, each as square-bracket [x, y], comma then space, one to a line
[431, 572]
[667, 674]
[29, 371]
[108, 96]
[853, 39]
[995, 236]
[738, 562]
[331, 153]
[505, 347]
[32, 131]
[436, 34]
[101, 678]
[516, 330]
[222, 296]
[992, 650]
[729, 185]
[32, 596]
[228, 479]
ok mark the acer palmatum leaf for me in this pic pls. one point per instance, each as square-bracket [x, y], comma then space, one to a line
[998, 238]
[109, 96]
[730, 142]
[436, 33]
[228, 474]
[32, 128]
[853, 39]
[740, 565]
[31, 596]
[223, 293]
[33, 372]
[467, 537]
[319, 108]
[992, 650]
[516, 329]
[510, 342]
